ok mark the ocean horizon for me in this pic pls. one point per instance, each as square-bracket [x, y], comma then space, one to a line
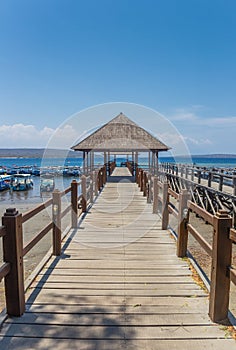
[216, 162]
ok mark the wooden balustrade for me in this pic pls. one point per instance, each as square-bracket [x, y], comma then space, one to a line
[222, 271]
[11, 231]
[211, 176]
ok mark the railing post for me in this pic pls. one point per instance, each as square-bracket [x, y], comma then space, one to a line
[74, 203]
[56, 213]
[165, 210]
[91, 187]
[221, 179]
[199, 177]
[141, 180]
[150, 188]
[155, 195]
[104, 172]
[84, 193]
[13, 254]
[144, 184]
[209, 179]
[99, 180]
[182, 242]
[95, 177]
[192, 174]
[137, 174]
[221, 260]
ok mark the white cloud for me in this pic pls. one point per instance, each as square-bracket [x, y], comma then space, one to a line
[20, 135]
[200, 141]
[191, 115]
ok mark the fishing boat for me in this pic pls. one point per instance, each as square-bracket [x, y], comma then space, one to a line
[5, 181]
[47, 183]
[22, 182]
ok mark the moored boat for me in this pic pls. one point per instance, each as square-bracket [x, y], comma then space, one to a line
[22, 182]
[5, 181]
[47, 183]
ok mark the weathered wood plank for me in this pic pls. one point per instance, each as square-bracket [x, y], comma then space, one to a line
[108, 319]
[113, 332]
[85, 344]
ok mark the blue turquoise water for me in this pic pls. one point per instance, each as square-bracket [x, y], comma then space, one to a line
[207, 162]
[33, 196]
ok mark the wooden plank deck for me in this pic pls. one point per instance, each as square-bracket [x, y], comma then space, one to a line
[118, 285]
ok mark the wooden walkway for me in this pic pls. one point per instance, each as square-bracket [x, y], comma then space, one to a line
[118, 285]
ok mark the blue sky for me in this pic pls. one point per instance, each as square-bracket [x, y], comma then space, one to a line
[58, 57]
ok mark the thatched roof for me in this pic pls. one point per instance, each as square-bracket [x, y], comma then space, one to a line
[120, 135]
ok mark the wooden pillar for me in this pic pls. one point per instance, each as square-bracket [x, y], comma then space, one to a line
[136, 158]
[149, 188]
[199, 176]
[144, 184]
[56, 214]
[91, 190]
[83, 162]
[95, 177]
[165, 203]
[92, 152]
[105, 157]
[221, 179]
[209, 179]
[221, 260]
[104, 175]
[84, 193]
[149, 160]
[13, 254]
[155, 195]
[157, 162]
[182, 241]
[141, 180]
[74, 203]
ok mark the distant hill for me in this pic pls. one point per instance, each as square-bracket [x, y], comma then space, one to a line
[215, 156]
[37, 153]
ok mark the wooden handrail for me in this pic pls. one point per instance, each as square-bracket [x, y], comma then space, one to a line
[232, 235]
[201, 212]
[67, 190]
[203, 243]
[4, 270]
[173, 193]
[173, 210]
[37, 238]
[29, 214]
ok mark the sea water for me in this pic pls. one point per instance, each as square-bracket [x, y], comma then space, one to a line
[33, 195]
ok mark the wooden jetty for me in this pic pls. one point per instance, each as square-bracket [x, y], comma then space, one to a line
[117, 284]
[118, 279]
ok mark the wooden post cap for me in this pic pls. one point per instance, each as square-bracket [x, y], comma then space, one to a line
[222, 213]
[11, 212]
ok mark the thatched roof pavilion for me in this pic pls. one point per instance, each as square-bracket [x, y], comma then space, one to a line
[120, 136]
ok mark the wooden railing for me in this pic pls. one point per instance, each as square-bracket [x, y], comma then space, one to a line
[12, 231]
[200, 174]
[168, 202]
